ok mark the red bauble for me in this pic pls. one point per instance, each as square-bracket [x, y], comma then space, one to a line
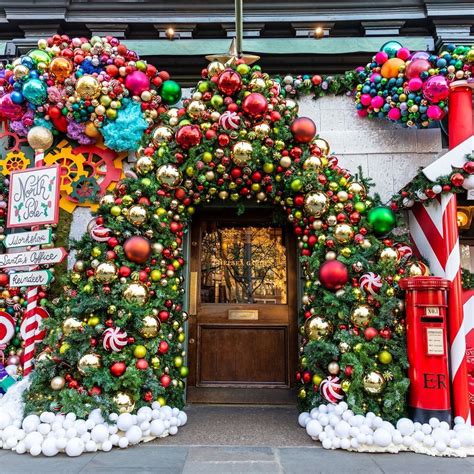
[333, 275]
[3, 279]
[137, 249]
[124, 271]
[165, 380]
[303, 129]
[255, 105]
[163, 347]
[141, 364]
[95, 391]
[469, 167]
[306, 376]
[118, 368]
[370, 333]
[229, 82]
[348, 371]
[163, 316]
[457, 179]
[188, 136]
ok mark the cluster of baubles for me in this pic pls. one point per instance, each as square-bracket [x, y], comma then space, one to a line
[411, 88]
[76, 85]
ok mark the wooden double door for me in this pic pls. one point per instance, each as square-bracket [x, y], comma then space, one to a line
[242, 324]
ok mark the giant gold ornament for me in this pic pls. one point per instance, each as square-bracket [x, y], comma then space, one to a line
[150, 327]
[389, 254]
[124, 402]
[357, 189]
[312, 163]
[323, 145]
[257, 84]
[374, 383]
[362, 315]
[40, 138]
[137, 215]
[214, 68]
[70, 325]
[87, 87]
[343, 233]
[168, 176]
[57, 383]
[161, 135]
[144, 165]
[106, 272]
[195, 108]
[136, 293]
[262, 130]
[88, 361]
[242, 153]
[61, 68]
[316, 204]
[418, 269]
[317, 328]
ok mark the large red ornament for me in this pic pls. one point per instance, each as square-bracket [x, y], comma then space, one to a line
[255, 105]
[303, 129]
[188, 136]
[118, 368]
[229, 82]
[333, 275]
[137, 249]
[165, 380]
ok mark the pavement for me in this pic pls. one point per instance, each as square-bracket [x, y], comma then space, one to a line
[234, 439]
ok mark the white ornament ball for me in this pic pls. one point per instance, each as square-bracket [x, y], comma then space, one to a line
[382, 437]
[303, 418]
[459, 420]
[44, 428]
[323, 408]
[47, 417]
[167, 411]
[32, 439]
[30, 423]
[49, 447]
[440, 446]
[123, 442]
[35, 450]
[5, 420]
[455, 443]
[428, 441]
[157, 427]
[405, 426]
[345, 443]
[342, 429]
[397, 437]
[134, 434]
[106, 446]
[323, 419]
[72, 416]
[444, 426]
[354, 443]
[426, 428]
[91, 446]
[434, 422]
[20, 448]
[114, 439]
[408, 441]
[327, 443]
[183, 418]
[125, 421]
[377, 422]
[419, 436]
[313, 428]
[61, 443]
[173, 430]
[99, 433]
[74, 447]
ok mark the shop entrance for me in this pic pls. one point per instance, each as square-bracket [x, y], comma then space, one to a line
[243, 301]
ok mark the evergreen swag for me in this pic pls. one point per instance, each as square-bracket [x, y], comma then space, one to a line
[116, 337]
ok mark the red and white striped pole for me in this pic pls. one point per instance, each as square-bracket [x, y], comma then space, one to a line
[40, 139]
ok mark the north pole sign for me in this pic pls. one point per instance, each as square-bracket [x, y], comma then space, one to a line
[34, 197]
[33, 258]
[37, 278]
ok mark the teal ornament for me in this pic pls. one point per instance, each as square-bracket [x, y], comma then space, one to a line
[35, 91]
[391, 48]
[170, 92]
[382, 220]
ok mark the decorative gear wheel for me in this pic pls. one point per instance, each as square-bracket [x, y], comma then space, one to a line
[85, 189]
[14, 161]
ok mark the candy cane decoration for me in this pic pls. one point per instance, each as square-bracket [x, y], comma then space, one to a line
[115, 339]
[331, 389]
[229, 120]
[7, 327]
[370, 282]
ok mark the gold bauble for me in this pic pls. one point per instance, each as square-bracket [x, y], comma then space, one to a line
[57, 383]
[150, 327]
[362, 315]
[333, 368]
[40, 138]
[388, 254]
[20, 71]
[195, 108]
[343, 233]
[418, 269]
[214, 68]
[168, 176]
[42, 356]
[242, 153]
[316, 204]
[137, 215]
[292, 105]
[88, 361]
[344, 347]
[323, 145]
[346, 385]
[257, 84]
[317, 328]
[70, 325]
[136, 293]
[107, 200]
[106, 272]
[91, 130]
[87, 87]
[374, 383]
[124, 402]
[144, 165]
[61, 68]
[161, 135]
[302, 393]
[357, 189]
[262, 130]
[312, 163]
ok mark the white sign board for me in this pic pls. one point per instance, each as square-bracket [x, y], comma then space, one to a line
[33, 258]
[40, 277]
[24, 239]
[470, 195]
[34, 197]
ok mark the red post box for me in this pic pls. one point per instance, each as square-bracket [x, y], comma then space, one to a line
[427, 348]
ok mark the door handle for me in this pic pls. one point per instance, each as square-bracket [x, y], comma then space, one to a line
[193, 293]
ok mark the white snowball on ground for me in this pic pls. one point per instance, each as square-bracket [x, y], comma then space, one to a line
[90, 424]
[440, 435]
[91, 446]
[57, 425]
[44, 428]
[405, 426]
[157, 427]
[426, 428]
[397, 437]
[408, 441]
[434, 422]
[71, 433]
[336, 442]
[354, 431]
[145, 426]
[175, 411]
[123, 442]
[35, 450]
[125, 421]
[113, 417]
[357, 420]
[342, 429]
[331, 408]
[377, 422]
[455, 443]
[134, 434]
[155, 414]
[167, 411]
[173, 421]
[61, 443]
[303, 418]
[323, 419]
[441, 446]
[183, 418]
[113, 429]
[173, 430]
[74, 447]
[347, 415]
[369, 440]
[106, 446]
[345, 443]
[20, 448]
[33, 438]
[459, 420]
[49, 447]
[370, 415]
[419, 436]
[354, 443]
[85, 436]
[9, 431]
[30, 423]
[417, 425]
[114, 439]
[10, 443]
[334, 420]
[327, 444]
[99, 433]
[313, 428]
[382, 437]
[339, 410]
[465, 438]
[47, 417]
[388, 426]
[146, 412]
[72, 416]
[361, 438]
[68, 423]
[323, 408]
[428, 441]
[444, 426]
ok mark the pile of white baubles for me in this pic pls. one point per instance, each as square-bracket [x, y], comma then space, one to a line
[52, 433]
[338, 428]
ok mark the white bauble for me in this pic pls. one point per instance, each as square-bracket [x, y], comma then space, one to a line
[434, 422]
[465, 438]
[49, 447]
[47, 417]
[344, 406]
[440, 435]
[455, 443]
[145, 426]
[417, 425]
[173, 430]
[99, 433]
[44, 428]
[30, 423]
[175, 411]
[20, 448]
[183, 418]
[405, 426]
[357, 420]
[323, 408]
[155, 406]
[388, 426]
[459, 420]
[155, 414]
[173, 421]
[327, 443]
[303, 418]
[157, 427]
[323, 419]
[369, 441]
[72, 416]
[408, 441]
[444, 426]
[313, 428]
[419, 436]
[91, 446]
[68, 423]
[123, 442]
[96, 416]
[397, 437]
[90, 424]
[342, 429]
[331, 408]
[426, 428]
[345, 443]
[113, 429]
[134, 434]
[334, 420]
[125, 421]
[113, 417]
[61, 443]
[35, 450]
[85, 436]
[167, 411]
[361, 438]
[106, 446]
[382, 437]
[428, 441]
[377, 422]
[441, 446]
[468, 182]
[347, 415]
[146, 413]
[75, 446]
[354, 431]
[322, 436]
[33, 438]
[20, 434]
[10, 432]
[71, 433]
[336, 442]
[339, 410]
[10, 443]
[114, 439]
[367, 430]
[354, 443]
[81, 428]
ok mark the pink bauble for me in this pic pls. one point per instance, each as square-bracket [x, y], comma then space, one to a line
[403, 53]
[8, 109]
[365, 99]
[416, 67]
[394, 114]
[377, 102]
[137, 82]
[420, 55]
[375, 77]
[381, 57]
[436, 89]
[435, 112]
[362, 113]
[415, 84]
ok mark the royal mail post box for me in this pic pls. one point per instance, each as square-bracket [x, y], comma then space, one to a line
[427, 347]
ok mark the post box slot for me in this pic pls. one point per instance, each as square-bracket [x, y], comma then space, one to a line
[431, 319]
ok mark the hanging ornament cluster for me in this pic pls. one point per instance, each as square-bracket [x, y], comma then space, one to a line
[84, 87]
[411, 88]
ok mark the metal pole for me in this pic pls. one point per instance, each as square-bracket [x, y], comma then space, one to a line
[239, 26]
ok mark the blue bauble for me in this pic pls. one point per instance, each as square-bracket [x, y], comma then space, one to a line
[35, 91]
[17, 97]
[391, 48]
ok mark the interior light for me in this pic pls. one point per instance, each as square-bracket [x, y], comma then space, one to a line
[170, 33]
[318, 32]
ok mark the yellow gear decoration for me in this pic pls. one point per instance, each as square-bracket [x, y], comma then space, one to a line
[71, 165]
[14, 161]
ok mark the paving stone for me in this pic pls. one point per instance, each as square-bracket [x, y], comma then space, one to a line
[247, 467]
[230, 454]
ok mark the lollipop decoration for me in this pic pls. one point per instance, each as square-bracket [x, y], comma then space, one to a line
[370, 283]
[331, 389]
[115, 339]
